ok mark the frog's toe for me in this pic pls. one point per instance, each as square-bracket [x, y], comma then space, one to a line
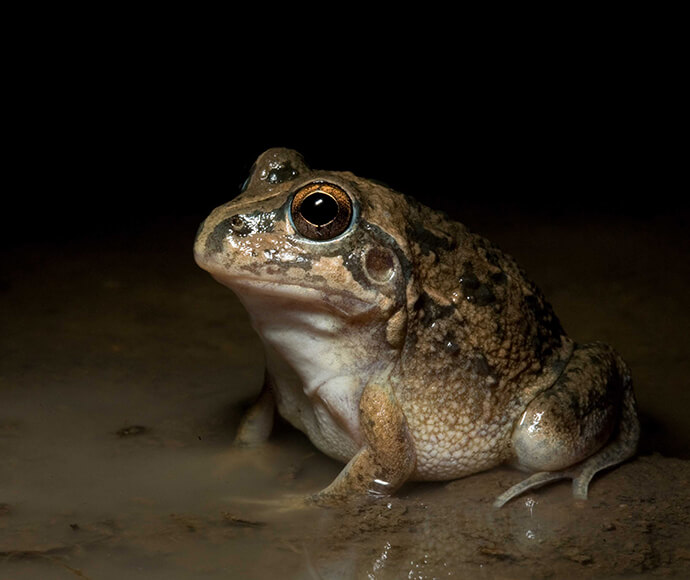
[581, 485]
[533, 481]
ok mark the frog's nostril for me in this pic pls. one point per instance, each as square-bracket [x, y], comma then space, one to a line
[239, 225]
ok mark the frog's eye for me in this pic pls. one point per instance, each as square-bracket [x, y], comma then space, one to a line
[321, 211]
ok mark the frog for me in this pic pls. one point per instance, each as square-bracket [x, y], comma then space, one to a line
[405, 345]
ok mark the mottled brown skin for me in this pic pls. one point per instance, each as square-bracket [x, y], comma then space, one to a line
[407, 346]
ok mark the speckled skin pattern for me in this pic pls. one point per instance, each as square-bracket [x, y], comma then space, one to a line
[404, 344]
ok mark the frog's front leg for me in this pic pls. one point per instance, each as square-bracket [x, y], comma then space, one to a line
[587, 421]
[387, 458]
[257, 422]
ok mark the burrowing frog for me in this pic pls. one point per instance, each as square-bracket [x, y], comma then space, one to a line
[405, 345]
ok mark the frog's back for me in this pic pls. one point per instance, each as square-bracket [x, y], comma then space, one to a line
[481, 342]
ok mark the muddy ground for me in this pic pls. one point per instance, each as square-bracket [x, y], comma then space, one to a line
[124, 370]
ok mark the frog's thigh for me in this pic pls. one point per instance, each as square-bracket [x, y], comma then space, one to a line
[586, 421]
[574, 418]
[387, 457]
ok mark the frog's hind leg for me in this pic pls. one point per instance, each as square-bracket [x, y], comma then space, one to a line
[587, 421]
[618, 450]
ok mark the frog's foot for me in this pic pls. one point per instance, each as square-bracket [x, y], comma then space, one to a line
[335, 499]
[587, 421]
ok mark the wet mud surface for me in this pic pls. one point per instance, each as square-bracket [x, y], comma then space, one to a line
[124, 370]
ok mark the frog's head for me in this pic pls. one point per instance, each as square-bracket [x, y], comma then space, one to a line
[310, 241]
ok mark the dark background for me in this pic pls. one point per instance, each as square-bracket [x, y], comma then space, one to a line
[102, 170]
[109, 131]
[117, 136]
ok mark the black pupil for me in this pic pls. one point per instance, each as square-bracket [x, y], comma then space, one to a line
[319, 208]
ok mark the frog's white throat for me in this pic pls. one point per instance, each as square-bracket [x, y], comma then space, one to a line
[318, 361]
[317, 342]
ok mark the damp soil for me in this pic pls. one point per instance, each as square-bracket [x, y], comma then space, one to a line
[124, 370]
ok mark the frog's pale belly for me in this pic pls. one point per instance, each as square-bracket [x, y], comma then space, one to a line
[317, 391]
[336, 435]
[317, 364]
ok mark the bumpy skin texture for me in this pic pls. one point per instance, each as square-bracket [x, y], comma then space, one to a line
[406, 345]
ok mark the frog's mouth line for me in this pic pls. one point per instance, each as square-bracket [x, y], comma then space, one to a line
[343, 303]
